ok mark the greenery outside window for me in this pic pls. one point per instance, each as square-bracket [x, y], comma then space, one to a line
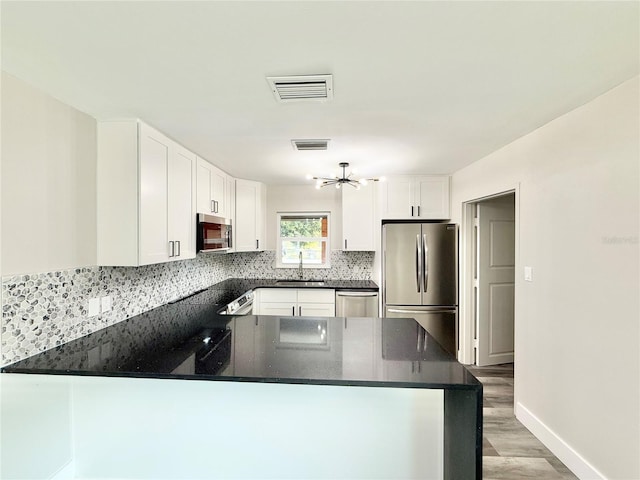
[303, 232]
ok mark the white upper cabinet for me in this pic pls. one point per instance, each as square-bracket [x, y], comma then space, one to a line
[248, 231]
[181, 213]
[358, 220]
[145, 184]
[212, 197]
[424, 197]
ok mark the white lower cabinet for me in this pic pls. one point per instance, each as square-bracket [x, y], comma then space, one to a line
[145, 196]
[296, 302]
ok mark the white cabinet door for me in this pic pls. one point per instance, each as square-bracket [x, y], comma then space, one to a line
[271, 308]
[145, 196]
[248, 227]
[230, 202]
[154, 161]
[316, 310]
[358, 219]
[218, 192]
[416, 197]
[432, 196]
[211, 190]
[181, 217]
[397, 198]
[204, 203]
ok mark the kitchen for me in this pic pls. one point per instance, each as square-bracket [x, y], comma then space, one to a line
[564, 173]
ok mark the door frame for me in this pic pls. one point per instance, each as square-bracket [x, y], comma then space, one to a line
[467, 312]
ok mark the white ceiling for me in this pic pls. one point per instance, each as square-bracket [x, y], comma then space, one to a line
[419, 87]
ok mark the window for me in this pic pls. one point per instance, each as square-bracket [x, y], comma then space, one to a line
[303, 232]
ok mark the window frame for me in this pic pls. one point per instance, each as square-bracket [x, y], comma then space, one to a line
[326, 240]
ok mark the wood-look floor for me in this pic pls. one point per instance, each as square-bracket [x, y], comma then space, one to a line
[510, 451]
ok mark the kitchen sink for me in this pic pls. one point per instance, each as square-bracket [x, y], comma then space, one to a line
[300, 283]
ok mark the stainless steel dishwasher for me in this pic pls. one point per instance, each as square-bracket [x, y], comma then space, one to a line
[354, 303]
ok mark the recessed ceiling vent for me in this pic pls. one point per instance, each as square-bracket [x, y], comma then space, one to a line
[304, 145]
[302, 88]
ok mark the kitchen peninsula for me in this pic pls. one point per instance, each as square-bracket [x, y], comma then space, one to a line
[278, 397]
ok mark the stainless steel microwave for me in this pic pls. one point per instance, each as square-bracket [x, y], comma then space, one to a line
[214, 233]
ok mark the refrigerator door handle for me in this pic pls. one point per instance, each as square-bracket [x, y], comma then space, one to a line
[418, 263]
[425, 261]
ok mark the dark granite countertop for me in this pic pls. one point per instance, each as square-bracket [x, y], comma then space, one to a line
[187, 339]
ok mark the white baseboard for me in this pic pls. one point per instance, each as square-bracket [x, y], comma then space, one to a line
[68, 472]
[567, 455]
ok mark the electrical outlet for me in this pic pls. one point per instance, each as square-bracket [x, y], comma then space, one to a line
[94, 307]
[528, 274]
[105, 303]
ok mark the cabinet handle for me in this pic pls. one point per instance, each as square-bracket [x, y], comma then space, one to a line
[345, 323]
[213, 206]
[178, 244]
[300, 310]
[412, 210]
[345, 243]
[418, 210]
[171, 248]
[215, 203]
[257, 244]
[293, 311]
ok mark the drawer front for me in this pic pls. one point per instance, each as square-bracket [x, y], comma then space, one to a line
[316, 295]
[278, 295]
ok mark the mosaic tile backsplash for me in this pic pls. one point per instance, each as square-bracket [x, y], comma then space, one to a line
[42, 311]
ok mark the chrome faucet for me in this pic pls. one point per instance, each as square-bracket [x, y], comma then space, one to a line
[300, 266]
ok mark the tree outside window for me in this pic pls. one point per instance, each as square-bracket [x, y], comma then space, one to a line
[303, 232]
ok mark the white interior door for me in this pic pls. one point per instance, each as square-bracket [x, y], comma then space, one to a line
[495, 275]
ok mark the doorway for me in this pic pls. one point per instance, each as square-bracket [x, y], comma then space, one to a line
[488, 276]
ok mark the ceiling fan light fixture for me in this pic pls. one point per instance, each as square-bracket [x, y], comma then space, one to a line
[338, 181]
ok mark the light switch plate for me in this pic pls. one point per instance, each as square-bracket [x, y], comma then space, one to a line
[528, 274]
[106, 303]
[94, 307]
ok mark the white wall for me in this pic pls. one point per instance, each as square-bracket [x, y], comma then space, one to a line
[577, 374]
[134, 428]
[48, 182]
[36, 429]
[304, 198]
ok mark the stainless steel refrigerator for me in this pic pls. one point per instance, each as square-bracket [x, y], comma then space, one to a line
[420, 277]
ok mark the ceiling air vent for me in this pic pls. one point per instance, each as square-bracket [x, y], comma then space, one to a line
[303, 145]
[302, 88]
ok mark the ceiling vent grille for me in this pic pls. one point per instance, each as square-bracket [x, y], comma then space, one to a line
[305, 145]
[302, 88]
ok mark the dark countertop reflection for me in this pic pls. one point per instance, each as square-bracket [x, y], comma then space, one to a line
[188, 339]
